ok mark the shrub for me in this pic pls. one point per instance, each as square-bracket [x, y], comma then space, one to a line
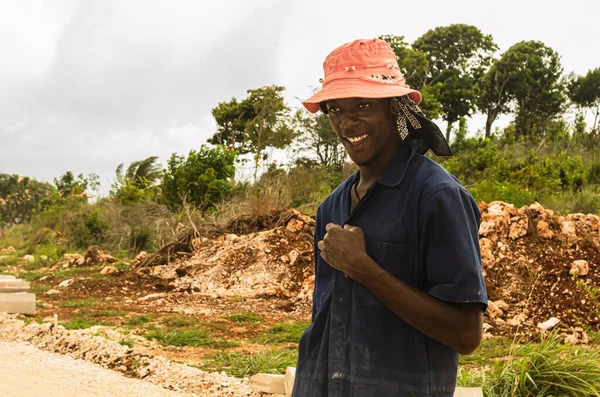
[489, 191]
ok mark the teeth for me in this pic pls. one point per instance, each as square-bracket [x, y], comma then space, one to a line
[357, 138]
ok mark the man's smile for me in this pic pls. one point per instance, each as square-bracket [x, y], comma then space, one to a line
[357, 140]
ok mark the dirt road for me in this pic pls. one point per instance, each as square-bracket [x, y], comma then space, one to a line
[26, 371]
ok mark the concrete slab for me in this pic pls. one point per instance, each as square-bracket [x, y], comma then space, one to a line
[15, 285]
[468, 392]
[7, 277]
[17, 302]
[268, 383]
[288, 380]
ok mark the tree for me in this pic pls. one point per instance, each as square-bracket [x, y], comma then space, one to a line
[584, 91]
[457, 55]
[413, 64]
[254, 124]
[319, 140]
[68, 185]
[20, 197]
[201, 179]
[139, 182]
[493, 97]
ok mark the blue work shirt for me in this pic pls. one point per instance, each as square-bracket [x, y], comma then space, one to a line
[421, 225]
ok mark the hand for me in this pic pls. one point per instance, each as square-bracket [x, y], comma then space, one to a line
[345, 249]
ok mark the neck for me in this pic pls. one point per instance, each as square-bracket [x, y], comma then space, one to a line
[369, 173]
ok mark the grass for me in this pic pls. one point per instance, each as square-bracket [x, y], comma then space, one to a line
[87, 303]
[244, 318]
[106, 313]
[271, 361]
[127, 341]
[138, 320]
[283, 333]
[82, 323]
[179, 321]
[548, 368]
[195, 337]
[488, 351]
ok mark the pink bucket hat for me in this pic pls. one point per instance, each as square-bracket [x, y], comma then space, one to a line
[361, 69]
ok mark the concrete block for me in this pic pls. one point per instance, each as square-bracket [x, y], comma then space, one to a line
[15, 285]
[268, 383]
[288, 380]
[17, 302]
[7, 277]
[468, 392]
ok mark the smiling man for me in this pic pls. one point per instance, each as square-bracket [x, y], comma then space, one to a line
[399, 291]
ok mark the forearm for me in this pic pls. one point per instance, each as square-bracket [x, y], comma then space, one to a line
[450, 324]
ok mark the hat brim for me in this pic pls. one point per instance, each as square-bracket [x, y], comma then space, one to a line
[357, 88]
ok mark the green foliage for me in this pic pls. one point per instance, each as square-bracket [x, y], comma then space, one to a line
[284, 333]
[489, 191]
[244, 318]
[270, 361]
[186, 337]
[317, 138]
[546, 369]
[20, 197]
[137, 320]
[127, 341]
[202, 179]
[68, 185]
[139, 183]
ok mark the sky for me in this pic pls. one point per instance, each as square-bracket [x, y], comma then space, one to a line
[87, 85]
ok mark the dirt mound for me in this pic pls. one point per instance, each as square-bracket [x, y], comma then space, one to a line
[538, 265]
[270, 263]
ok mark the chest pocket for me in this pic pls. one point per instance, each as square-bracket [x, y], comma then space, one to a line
[397, 259]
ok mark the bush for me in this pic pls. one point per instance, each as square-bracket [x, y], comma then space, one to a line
[489, 191]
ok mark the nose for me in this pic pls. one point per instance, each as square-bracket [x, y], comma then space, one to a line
[348, 122]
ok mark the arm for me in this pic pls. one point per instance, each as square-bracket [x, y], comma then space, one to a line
[458, 326]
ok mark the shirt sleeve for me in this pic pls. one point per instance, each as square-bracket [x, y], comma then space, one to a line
[449, 248]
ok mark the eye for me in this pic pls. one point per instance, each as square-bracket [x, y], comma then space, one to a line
[364, 105]
[333, 109]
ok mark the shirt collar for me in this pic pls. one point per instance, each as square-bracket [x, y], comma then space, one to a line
[395, 171]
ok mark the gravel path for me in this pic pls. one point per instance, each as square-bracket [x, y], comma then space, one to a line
[26, 371]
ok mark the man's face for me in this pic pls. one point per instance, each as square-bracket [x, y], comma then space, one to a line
[366, 127]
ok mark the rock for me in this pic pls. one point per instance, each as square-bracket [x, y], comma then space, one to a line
[108, 270]
[52, 292]
[66, 283]
[549, 324]
[542, 229]
[568, 229]
[487, 257]
[29, 258]
[493, 311]
[518, 228]
[8, 250]
[295, 226]
[579, 268]
[579, 336]
[500, 304]
[486, 327]
[44, 278]
[151, 296]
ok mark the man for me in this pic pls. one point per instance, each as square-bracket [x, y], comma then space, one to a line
[399, 291]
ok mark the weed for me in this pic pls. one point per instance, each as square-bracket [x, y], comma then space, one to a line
[127, 341]
[186, 337]
[284, 333]
[87, 303]
[83, 322]
[179, 321]
[244, 318]
[137, 321]
[240, 365]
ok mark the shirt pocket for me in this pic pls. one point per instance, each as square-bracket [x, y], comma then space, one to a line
[396, 259]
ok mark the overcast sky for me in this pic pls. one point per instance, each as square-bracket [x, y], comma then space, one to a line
[86, 85]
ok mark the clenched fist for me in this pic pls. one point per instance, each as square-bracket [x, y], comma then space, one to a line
[345, 249]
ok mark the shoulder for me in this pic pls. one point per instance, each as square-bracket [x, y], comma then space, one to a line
[432, 178]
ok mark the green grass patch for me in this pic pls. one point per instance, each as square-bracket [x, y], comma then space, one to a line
[127, 341]
[271, 361]
[244, 318]
[196, 337]
[9, 260]
[39, 289]
[488, 351]
[106, 313]
[179, 322]
[283, 333]
[88, 303]
[138, 320]
[83, 322]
